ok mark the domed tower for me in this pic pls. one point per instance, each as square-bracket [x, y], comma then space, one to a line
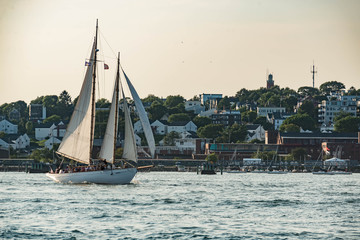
[270, 81]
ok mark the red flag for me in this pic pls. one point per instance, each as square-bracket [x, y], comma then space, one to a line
[106, 67]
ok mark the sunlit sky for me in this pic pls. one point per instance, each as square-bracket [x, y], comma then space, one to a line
[171, 47]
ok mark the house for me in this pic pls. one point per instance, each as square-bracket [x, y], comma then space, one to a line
[14, 115]
[212, 99]
[207, 113]
[19, 141]
[226, 118]
[159, 127]
[51, 141]
[194, 106]
[255, 131]
[45, 130]
[138, 127]
[264, 111]
[277, 118]
[4, 144]
[181, 127]
[7, 127]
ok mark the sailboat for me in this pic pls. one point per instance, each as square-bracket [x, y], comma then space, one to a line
[77, 143]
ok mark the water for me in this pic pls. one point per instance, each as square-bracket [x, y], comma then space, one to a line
[164, 205]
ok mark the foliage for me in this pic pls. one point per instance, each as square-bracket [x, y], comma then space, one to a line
[213, 158]
[103, 103]
[195, 98]
[289, 128]
[200, 121]
[174, 101]
[119, 153]
[265, 155]
[178, 117]
[327, 87]
[233, 134]
[302, 120]
[151, 98]
[341, 115]
[248, 116]
[156, 111]
[30, 128]
[308, 108]
[169, 138]
[52, 119]
[42, 155]
[210, 131]
[2, 134]
[224, 103]
[347, 124]
[289, 103]
[308, 91]
[298, 154]
[265, 124]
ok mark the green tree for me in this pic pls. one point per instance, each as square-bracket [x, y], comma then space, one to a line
[224, 103]
[264, 123]
[213, 158]
[29, 128]
[342, 115]
[289, 103]
[302, 120]
[52, 119]
[327, 87]
[169, 138]
[151, 98]
[157, 110]
[248, 116]
[173, 101]
[64, 106]
[289, 128]
[347, 124]
[298, 154]
[308, 108]
[178, 117]
[200, 121]
[103, 103]
[210, 131]
[233, 134]
[308, 91]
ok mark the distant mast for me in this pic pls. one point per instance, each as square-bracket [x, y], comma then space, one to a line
[313, 74]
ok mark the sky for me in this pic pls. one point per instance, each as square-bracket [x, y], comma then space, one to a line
[177, 47]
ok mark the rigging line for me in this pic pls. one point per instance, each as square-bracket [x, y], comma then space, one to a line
[115, 56]
[102, 68]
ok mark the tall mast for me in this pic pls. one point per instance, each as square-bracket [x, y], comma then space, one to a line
[116, 104]
[313, 74]
[93, 97]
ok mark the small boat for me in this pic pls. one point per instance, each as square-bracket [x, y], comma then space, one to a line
[323, 173]
[277, 172]
[77, 144]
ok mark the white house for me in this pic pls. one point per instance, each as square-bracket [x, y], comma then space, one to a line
[181, 127]
[20, 142]
[255, 131]
[43, 131]
[7, 127]
[264, 111]
[51, 141]
[3, 144]
[159, 127]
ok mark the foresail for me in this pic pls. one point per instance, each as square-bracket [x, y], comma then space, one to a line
[129, 151]
[107, 147]
[143, 117]
[77, 141]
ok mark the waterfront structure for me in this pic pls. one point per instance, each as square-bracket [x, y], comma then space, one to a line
[264, 111]
[7, 127]
[226, 118]
[329, 109]
[301, 139]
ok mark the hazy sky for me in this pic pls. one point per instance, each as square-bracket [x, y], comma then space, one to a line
[171, 47]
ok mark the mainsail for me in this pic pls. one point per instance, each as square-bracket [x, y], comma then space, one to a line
[143, 117]
[108, 144]
[77, 140]
[129, 151]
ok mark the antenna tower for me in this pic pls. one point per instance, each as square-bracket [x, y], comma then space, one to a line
[313, 74]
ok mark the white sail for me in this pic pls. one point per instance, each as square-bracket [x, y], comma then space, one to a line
[107, 147]
[77, 143]
[129, 151]
[143, 117]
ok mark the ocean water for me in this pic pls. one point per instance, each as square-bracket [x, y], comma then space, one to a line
[172, 205]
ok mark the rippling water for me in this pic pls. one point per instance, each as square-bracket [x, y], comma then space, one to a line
[164, 205]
